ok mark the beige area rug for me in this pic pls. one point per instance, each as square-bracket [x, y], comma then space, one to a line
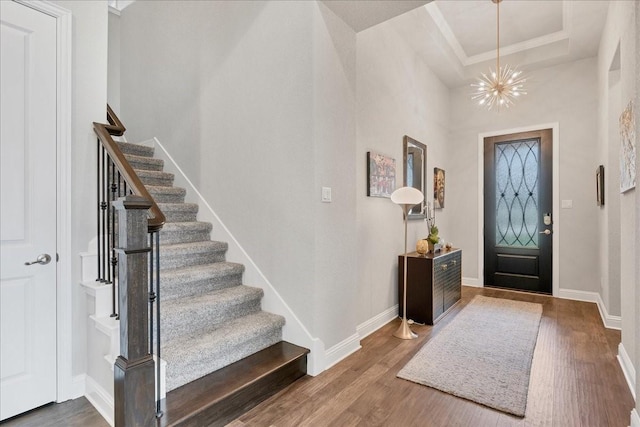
[483, 355]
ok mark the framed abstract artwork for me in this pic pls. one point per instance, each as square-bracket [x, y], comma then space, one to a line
[438, 188]
[381, 175]
[628, 149]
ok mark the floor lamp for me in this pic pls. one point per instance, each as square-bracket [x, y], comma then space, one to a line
[406, 198]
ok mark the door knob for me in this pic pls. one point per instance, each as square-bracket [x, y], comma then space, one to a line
[547, 232]
[43, 259]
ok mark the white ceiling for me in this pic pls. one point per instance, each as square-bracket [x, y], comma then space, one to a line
[457, 38]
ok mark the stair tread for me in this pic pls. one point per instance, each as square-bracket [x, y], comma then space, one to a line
[187, 226]
[197, 271]
[194, 246]
[143, 159]
[215, 300]
[165, 189]
[232, 332]
[150, 173]
[213, 388]
[178, 206]
[137, 149]
[177, 212]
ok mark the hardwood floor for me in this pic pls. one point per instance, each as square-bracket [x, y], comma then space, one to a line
[575, 380]
[73, 413]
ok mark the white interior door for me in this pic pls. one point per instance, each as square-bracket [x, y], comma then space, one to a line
[27, 208]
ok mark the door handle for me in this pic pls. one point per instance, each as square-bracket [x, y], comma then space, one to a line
[43, 259]
[547, 232]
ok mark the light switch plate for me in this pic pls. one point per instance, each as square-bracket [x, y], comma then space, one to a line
[567, 204]
[326, 194]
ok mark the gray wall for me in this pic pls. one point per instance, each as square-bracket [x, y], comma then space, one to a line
[256, 102]
[397, 95]
[616, 87]
[88, 103]
[565, 94]
[113, 63]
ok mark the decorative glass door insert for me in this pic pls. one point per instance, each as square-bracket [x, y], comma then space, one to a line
[517, 169]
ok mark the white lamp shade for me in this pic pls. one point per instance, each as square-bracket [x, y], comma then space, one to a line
[409, 196]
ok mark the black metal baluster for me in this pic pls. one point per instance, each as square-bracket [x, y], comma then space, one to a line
[119, 184]
[152, 294]
[114, 258]
[99, 279]
[103, 208]
[108, 237]
[157, 276]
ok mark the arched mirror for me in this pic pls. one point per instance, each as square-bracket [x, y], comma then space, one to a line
[415, 170]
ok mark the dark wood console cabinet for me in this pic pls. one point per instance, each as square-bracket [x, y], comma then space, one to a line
[434, 284]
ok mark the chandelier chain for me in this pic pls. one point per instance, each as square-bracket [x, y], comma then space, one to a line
[500, 87]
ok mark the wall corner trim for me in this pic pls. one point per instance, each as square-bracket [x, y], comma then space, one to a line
[628, 370]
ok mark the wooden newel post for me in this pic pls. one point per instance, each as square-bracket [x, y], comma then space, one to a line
[134, 383]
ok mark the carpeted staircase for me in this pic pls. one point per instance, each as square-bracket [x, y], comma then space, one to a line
[209, 319]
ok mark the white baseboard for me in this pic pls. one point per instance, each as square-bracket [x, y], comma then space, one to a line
[635, 418]
[627, 369]
[376, 322]
[341, 350]
[473, 282]
[350, 345]
[100, 399]
[609, 321]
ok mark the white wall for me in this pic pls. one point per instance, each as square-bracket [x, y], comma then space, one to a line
[615, 90]
[397, 95]
[334, 130]
[113, 62]
[255, 101]
[565, 94]
[89, 97]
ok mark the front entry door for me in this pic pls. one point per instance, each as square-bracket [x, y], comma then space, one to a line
[518, 211]
[28, 209]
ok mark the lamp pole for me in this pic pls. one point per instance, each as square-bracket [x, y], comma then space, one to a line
[406, 198]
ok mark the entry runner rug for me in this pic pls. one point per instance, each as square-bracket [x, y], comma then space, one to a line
[483, 355]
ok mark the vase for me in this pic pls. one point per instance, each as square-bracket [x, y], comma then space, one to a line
[422, 246]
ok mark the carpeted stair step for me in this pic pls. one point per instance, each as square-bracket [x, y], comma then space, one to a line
[200, 279]
[145, 163]
[183, 232]
[194, 253]
[198, 354]
[166, 194]
[155, 177]
[184, 316]
[136, 149]
[224, 395]
[179, 212]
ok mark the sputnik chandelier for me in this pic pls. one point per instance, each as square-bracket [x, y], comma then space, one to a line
[499, 88]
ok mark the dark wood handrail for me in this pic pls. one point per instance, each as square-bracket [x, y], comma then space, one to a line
[115, 127]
